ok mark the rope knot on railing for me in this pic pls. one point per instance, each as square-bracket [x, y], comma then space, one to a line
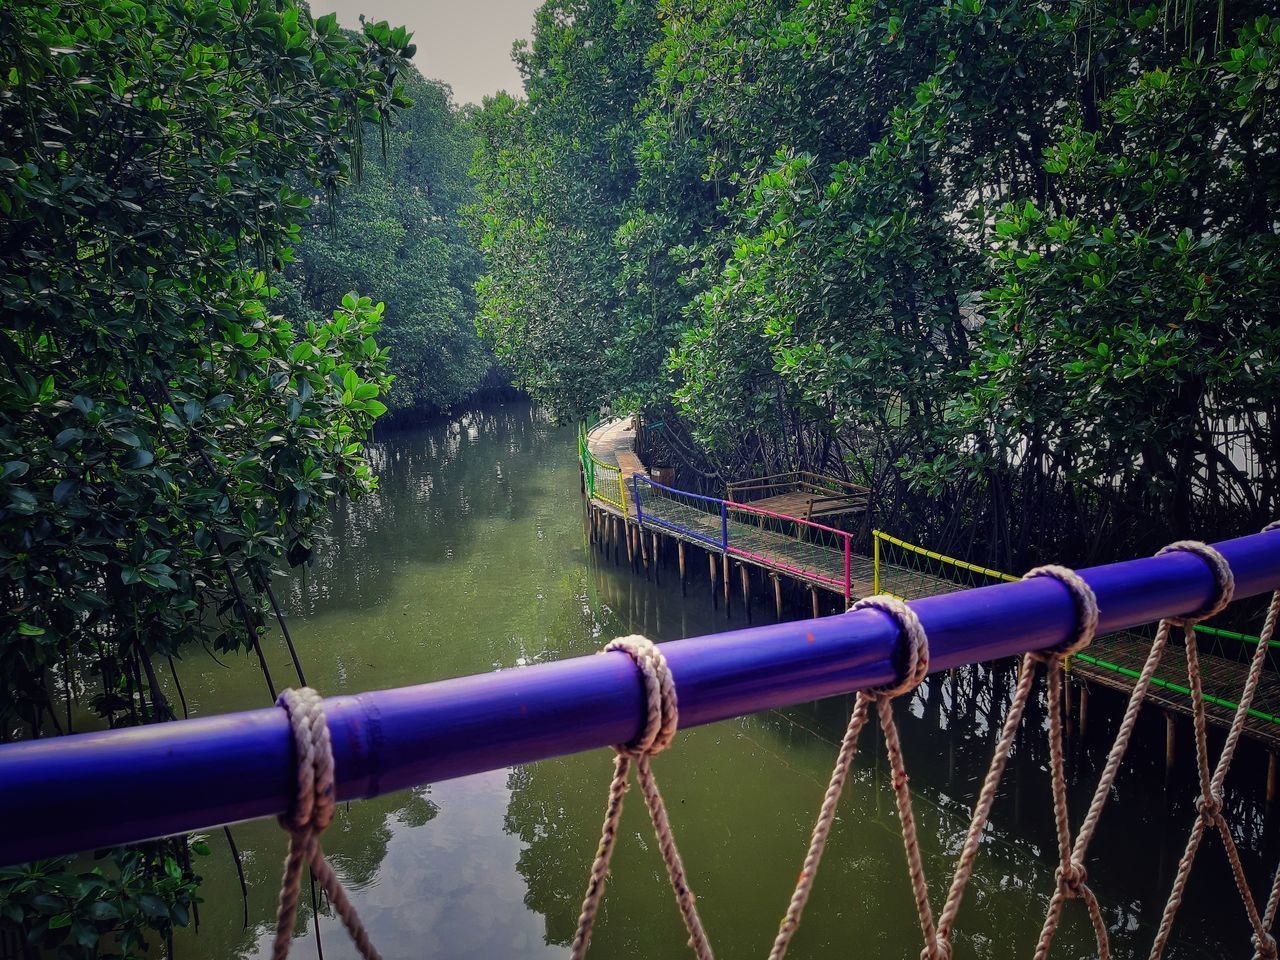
[662, 719]
[1086, 604]
[311, 813]
[312, 810]
[662, 711]
[1224, 581]
[914, 645]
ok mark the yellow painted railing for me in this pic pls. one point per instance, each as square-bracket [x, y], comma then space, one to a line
[607, 485]
[878, 536]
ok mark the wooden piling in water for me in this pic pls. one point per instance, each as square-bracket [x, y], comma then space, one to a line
[1170, 741]
[813, 596]
[777, 595]
[746, 590]
[655, 554]
[680, 554]
[1084, 708]
[1271, 778]
[728, 591]
[715, 569]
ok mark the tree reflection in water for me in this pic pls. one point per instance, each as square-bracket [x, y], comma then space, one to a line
[473, 557]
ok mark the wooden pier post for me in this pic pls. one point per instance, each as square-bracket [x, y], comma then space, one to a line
[1170, 741]
[636, 550]
[746, 590]
[728, 591]
[777, 595]
[1271, 778]
[680, 553]
[813, 597]
[620, 531]
[715, 591]
[655, 555]
[1084, 708]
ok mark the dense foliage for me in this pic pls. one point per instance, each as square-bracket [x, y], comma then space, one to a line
[165, 439]
[397, 236]
[1011, 264]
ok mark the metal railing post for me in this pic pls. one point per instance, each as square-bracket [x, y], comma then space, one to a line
[848, 569]
[875, 562]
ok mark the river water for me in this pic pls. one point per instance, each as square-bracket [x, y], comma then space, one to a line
[472, 557]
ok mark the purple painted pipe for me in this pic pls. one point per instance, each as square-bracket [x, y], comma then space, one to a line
[66, 794]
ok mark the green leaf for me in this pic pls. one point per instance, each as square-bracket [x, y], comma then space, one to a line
[139, 459]
[104, 910]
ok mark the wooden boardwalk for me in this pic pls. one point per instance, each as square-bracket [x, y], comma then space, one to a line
[1114, 661]
[821, 558]
[802, 550]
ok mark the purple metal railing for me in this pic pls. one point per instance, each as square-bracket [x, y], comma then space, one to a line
[80, 792]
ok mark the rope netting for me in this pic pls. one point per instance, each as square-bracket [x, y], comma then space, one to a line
[691, 515]
[1071, 875]
[314, 806]
[910, 571]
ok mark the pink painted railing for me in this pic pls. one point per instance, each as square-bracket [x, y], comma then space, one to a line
[810, 550]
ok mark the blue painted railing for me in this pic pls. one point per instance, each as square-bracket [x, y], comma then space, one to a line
[66, 794]
[719, 511]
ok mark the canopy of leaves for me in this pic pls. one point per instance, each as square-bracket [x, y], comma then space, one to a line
[1013, 265]
[396, 235]
[164, 438]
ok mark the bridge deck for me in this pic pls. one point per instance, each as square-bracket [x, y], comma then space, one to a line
[802, 556]
[1113, 661]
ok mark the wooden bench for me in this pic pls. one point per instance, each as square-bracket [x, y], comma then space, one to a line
[809, 496]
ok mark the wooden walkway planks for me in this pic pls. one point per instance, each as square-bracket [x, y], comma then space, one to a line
[815, 564]
[1112, 661]
[1121, 655]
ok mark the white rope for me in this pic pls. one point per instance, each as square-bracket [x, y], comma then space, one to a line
[1209, 803]
[661, 721]
[914, 653]
[311, 814]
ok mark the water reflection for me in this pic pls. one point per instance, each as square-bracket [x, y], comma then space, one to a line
[472, 557]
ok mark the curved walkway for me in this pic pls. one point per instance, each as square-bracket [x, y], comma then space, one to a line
[822, 557]
[818, 555]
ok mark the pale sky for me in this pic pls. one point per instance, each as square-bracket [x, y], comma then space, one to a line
[465, 43]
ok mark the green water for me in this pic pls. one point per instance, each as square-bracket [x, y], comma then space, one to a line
[472, 557]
